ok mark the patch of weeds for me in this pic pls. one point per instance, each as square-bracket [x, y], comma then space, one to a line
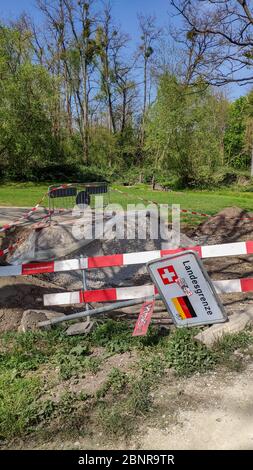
[18, 397]
[230, 342]
[116, 337]
[120, 417]
[66, 406]
[139, 400]
[27, 351]
[153, 366]
[93, 364]
[226, 346]
[153, 338]
[45, 410]
[186, 355]
[84, 396]
[113, 335]
[116, 382]
[74, 410]
[69, 401]
[74, 362]
[114, 420]
[20, 352]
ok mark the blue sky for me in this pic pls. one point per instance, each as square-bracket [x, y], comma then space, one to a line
[125, 12]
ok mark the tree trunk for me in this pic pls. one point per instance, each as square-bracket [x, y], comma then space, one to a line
[123, 122]
[144, 104]
[251, 170]
[85, 116]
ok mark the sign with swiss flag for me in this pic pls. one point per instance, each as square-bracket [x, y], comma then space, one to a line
[186, 289]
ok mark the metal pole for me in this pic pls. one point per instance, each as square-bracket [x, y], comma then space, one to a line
[49, 204]
[96, 311]
[85, 286]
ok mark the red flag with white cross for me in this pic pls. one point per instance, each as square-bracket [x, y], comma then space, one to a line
[168, 275]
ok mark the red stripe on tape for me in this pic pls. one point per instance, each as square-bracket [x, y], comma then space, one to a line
[198, 250]
[249, 247]
[246, 285]
[38, 268]
[105, 261]
[171, 252]
[104, 295]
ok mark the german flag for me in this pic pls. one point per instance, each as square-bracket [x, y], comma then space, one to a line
[184, 307]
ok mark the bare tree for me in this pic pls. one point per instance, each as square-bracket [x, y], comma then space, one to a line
[225, 30]
[106, 33]
[73, 29]
[149, 35]
[125, 90]
[83, 41]
[219, 36]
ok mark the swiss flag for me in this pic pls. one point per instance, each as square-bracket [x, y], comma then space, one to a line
[168, 275]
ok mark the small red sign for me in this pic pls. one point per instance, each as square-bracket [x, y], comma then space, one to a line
[144, 319]
[168, 275]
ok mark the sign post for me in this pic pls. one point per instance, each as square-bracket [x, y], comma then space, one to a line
[186, 290]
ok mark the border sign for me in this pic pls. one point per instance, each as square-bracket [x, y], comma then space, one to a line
[186, 290]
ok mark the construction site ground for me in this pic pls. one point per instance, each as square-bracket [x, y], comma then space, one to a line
[211, 410]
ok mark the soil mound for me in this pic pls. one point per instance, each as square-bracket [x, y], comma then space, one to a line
[232, 224]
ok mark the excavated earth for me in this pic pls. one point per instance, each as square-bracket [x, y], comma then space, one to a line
[21, 293]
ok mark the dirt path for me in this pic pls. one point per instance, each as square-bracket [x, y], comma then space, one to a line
[211, 412]
[214, 411]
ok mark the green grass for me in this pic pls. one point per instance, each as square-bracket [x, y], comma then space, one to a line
[210, 202]
[22, 194]
[17, 398]
[32, 364]
[27, 194]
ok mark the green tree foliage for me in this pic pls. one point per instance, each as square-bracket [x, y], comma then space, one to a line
[183, 133]
[236, 153]
[27, 100]
[71, 107]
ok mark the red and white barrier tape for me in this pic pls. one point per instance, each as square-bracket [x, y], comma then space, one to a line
[136, 292]
[23, 217]
[7, 250]
[20, 220]
[184, 211]
[62, 186]
[10, 248]
[125, 259]
[31, 211]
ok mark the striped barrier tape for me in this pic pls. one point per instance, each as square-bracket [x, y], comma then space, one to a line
[7, 250]
[184, 211]
[31, 211]
[62, 186]
[10, 248]
[125, 259]
[24, 217]
[20, 220]
[136, 292]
